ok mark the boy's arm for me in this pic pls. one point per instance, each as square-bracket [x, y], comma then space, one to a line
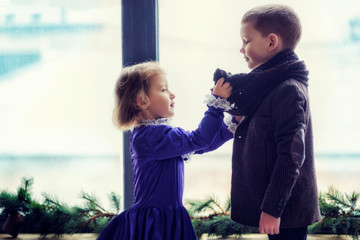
[289, 109]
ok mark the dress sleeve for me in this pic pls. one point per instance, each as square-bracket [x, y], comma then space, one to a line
[226, 133]
[163, 142]
[289, 109]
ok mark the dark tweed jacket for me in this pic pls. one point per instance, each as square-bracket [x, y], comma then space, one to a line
[273, 161]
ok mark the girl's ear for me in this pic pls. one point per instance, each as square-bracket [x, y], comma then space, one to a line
[142, 101]
[274, 41]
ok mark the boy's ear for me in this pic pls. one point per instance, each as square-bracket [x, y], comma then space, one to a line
[142, 101]
[274, 41]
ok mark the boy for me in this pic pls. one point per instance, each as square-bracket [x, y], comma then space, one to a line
[273, 178]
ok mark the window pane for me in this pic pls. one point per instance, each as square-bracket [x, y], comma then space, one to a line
[59, 61]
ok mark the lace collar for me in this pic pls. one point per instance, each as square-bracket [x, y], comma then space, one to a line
[155, 122]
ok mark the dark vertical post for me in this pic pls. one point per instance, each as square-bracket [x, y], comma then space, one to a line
[139, 43]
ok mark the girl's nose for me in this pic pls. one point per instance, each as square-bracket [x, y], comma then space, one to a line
[172, 96]
[242, 50]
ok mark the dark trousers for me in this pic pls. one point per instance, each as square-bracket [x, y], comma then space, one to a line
[290, 234]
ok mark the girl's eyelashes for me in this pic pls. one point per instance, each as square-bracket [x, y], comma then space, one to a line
[164, 89]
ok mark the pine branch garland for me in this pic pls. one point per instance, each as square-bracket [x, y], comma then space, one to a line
[340, 214]
[115, 200]
[340, 211]
[210, 217]
[53, 216]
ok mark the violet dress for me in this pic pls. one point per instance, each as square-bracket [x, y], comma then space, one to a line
[158, 152]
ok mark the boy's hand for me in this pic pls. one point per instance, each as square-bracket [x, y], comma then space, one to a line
[269, 224]
[222, 89]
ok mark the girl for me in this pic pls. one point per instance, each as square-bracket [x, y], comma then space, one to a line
[144, 105]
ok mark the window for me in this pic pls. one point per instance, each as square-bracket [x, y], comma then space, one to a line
[60, 60]
[58, 64]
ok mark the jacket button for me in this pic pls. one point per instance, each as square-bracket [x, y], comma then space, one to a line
[239, 137]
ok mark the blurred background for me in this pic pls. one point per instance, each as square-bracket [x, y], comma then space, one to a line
[59, 61]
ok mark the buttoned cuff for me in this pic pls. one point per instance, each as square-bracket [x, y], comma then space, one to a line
[274, 208]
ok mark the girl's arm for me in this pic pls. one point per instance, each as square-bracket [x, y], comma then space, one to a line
[226, 133]
[164, 142]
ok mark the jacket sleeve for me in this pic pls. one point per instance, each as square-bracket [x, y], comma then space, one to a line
[289, 111]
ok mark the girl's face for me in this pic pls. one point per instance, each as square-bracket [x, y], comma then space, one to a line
[255, 46]
[161, 99]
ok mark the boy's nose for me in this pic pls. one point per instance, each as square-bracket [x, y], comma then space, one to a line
[242, 50]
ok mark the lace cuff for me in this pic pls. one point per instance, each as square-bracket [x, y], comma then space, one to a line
[155, 122]
[230, 124]
[217, 102]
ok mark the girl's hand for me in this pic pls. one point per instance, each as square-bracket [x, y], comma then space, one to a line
[239, 118]
[222, 89]
[269, 224]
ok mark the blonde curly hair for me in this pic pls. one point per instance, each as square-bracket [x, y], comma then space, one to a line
[134, 81]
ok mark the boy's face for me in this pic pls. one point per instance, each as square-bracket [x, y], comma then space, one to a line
[255, 46]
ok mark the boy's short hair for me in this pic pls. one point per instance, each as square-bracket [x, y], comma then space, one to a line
[276, 18]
